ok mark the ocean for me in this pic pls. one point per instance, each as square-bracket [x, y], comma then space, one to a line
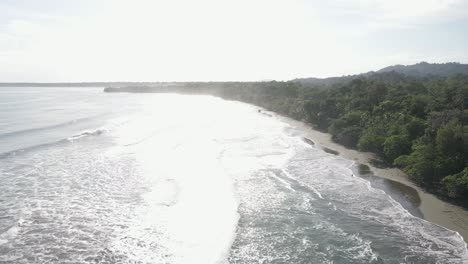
[93, 177]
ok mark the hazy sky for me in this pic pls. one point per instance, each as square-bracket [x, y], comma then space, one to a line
[109, 40]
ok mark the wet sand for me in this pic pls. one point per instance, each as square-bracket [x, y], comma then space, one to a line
[417, 201]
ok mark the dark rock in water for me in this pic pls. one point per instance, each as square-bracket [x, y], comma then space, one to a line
[308, 141]
[363, 169]
[381, 164]
[407, 191]
[263, 112]
[330, 151]
[110, 90]
[405, 195]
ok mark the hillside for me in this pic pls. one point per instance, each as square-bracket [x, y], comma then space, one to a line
[422, 69]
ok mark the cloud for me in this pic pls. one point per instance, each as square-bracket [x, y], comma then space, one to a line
[372, 15]
[176, 40]
[413, 9]
[208, 39]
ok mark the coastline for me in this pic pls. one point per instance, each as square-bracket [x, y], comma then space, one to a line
[430, 207]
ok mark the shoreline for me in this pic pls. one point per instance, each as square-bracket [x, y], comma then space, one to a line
[430, 207]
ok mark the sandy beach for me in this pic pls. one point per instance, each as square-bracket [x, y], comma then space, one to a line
[430, 207]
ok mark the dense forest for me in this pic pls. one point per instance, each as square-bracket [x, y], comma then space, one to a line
[416, 123]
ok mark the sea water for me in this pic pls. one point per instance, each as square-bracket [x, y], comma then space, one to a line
[93, 177]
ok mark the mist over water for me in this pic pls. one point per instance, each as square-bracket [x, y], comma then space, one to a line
[145, 178]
